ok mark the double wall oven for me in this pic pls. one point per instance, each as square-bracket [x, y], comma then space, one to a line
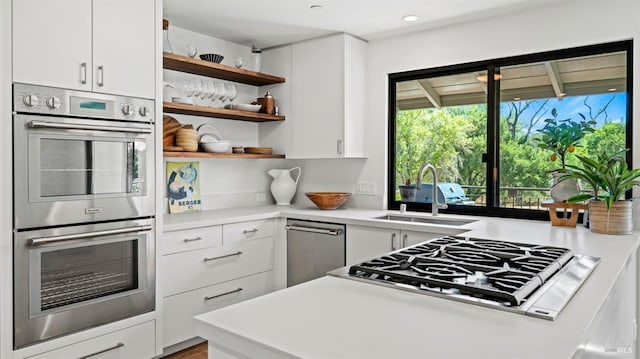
[83, 167]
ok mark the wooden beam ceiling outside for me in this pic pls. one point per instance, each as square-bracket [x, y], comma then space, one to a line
[554, 78]
[429, 93]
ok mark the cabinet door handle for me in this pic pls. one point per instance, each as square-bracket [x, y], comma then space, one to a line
[223, 256]
[393, 241]
[83, 73]
[100, 75]
[118, 345]
[223, 294]
[404, 240]
[247, 231]
[187, 240]
[339, 147]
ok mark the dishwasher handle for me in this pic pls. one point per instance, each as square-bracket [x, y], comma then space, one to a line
[332, 232]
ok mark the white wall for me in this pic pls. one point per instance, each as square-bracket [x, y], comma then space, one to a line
[568, 24]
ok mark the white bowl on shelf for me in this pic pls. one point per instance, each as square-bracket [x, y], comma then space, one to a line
[243, 107]
[216, 147]
[186, 100]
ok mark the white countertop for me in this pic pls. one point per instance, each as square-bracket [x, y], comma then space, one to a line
[339, 318]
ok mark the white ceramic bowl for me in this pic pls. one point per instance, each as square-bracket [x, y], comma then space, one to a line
[217, 147]
[244, 107]
[207, 138]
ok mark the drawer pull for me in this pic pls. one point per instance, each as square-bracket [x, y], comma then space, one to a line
[246, 231]
[187, 240]
[224, 256]
[222, 294]
[118, 345]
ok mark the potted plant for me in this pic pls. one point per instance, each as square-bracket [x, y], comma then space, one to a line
[561, 137]
[408, 192]
[610, 178]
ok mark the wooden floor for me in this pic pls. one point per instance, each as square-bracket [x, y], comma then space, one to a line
[195, 352]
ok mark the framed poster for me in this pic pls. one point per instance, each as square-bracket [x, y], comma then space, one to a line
[183, 186]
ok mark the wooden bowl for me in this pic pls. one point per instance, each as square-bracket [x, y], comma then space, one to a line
[328, 200]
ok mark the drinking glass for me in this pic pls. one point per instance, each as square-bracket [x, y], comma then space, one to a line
[232, 92]
[213, 92]
[197, 85]
[192, 51]
[205, 89]
[222, 93]
[188, 87]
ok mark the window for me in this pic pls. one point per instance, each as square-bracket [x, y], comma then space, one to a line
[479, 125]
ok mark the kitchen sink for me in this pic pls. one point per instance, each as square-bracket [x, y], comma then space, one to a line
[428, 220]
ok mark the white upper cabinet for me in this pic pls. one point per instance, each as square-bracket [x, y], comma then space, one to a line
[327, 97]
[104, 46]
[52, 43]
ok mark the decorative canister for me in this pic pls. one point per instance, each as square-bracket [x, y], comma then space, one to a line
[283, 186]
[560, 191]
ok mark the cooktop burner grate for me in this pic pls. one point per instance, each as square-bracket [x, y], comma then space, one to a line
[503, 272]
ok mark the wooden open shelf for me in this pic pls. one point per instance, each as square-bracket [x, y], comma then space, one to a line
[218, 155]
[224, 72]
[195, 110]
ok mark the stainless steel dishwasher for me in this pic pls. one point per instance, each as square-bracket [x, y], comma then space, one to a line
[313, 249]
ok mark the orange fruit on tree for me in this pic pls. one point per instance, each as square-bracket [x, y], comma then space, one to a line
[571, 148]
[554, 157]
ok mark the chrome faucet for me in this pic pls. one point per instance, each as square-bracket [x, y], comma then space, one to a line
[434, 188]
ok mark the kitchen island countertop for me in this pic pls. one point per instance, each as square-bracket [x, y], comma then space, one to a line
[339, 318]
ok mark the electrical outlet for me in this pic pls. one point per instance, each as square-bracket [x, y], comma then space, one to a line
[364, 187]
[261, 197]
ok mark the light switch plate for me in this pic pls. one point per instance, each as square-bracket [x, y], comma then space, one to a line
[261, 197]
[365, 187]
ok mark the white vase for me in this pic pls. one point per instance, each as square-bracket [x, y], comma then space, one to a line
[283, 186]
[560, 191]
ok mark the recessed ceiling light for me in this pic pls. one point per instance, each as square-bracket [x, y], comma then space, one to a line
[612, 89]
[562, 94]
[516, 99]
[483, 78]
[410, 18]
[315, 7]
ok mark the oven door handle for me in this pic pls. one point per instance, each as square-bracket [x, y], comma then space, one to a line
[72, 126]
[35, 242]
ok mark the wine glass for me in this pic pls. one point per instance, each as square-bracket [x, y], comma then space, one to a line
[232, 93]
[213, 92]
[222, 93]
[197, 86]
[205, 89]
[188, 88]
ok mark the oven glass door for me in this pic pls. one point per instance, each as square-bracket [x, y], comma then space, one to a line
[79, 170]
[72, 278]
[72, 274]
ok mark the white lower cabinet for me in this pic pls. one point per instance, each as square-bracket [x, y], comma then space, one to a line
[181, 308]
[206, 268]
[134, 342]
[365, 243]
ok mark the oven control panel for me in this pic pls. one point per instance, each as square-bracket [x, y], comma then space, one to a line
[45, 100]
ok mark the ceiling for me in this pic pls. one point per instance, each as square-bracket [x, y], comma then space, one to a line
[278, 22]
[585, 75]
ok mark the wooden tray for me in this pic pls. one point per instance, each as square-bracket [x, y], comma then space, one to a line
[259, 150]
[169, 128]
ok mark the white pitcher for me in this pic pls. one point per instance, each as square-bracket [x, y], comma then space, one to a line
[283, 187]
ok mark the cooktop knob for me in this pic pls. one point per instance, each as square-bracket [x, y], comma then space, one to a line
[30, 100]
[127, 110]
[143, 111]
[53, 102]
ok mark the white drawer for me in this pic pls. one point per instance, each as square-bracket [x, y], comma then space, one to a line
[134, 342]
[190, 239]
[243, 231]
[200, 268]
[180, 309]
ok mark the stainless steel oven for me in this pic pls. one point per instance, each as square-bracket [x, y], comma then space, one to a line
[81, 157]
[76, 277]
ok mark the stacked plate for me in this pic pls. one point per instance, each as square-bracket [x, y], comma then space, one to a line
[187, 138]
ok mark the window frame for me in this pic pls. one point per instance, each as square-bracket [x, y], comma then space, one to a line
[492, 154]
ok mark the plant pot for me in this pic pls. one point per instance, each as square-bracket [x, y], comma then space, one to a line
[617, 220]
[408, 193]
[560, 191]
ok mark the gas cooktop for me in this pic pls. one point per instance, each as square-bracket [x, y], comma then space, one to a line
[523, 278]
